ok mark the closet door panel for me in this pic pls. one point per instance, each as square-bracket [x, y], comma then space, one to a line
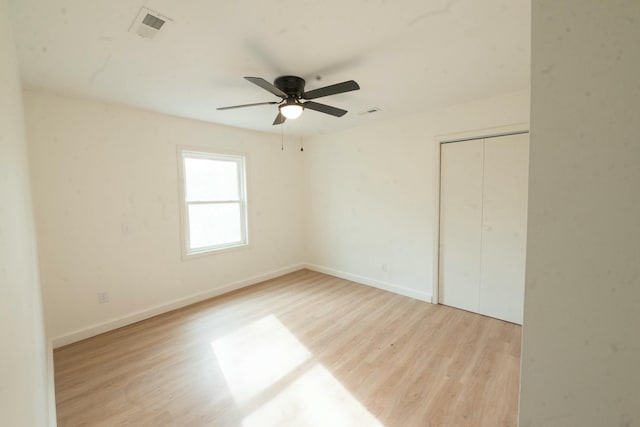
[504, 227]
[460, 224]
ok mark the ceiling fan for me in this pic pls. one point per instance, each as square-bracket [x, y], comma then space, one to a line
[291, 90]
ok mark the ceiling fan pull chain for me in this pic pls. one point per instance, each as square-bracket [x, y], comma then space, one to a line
[302, 136]
[282, 137]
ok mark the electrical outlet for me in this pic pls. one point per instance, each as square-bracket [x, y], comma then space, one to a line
[103, 297]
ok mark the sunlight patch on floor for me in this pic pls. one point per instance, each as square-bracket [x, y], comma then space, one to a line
[273, 377]
[258, 355]
[315, 399]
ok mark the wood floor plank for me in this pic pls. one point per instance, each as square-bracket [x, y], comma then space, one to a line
[305, 349]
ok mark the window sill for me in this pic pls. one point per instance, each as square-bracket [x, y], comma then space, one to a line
[210, 252]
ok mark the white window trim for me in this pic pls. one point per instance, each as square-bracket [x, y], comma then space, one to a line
[207, 153]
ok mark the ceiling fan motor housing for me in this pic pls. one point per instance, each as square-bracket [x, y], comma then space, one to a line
[291, 85]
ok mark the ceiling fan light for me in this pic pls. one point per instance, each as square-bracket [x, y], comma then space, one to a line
[291, 110]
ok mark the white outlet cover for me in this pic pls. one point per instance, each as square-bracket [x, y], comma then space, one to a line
[103, 297]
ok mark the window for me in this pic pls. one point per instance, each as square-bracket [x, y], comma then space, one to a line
[215, 204]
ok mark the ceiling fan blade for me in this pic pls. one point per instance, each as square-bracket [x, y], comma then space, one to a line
[323, 108]
[347, 86]
[247, 105]
[267, 86]
[280, 119]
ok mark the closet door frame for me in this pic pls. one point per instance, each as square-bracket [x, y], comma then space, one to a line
[514, 129]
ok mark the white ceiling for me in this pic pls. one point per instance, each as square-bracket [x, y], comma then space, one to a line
[407, 55]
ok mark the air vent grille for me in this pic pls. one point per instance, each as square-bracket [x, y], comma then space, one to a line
[148, 23]
[153, 21]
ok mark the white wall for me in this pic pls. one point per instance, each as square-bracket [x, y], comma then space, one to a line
[581, 347]
[371, 193]
[24, 396]
[105, 184]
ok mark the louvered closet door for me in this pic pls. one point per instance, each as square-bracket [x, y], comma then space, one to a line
[483, 219]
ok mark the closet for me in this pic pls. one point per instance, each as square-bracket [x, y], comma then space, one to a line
[483, 224]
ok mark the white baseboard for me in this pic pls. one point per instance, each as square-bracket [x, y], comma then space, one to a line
[51, 415]
[166, 307]
[396, 289]
[119, 322]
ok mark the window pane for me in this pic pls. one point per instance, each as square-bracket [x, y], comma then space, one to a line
[209, 180]
[214, 224]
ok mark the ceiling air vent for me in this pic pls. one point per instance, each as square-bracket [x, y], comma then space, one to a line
[148, 23]
[153, 21]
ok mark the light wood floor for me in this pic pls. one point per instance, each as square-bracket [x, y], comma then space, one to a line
[304, 349]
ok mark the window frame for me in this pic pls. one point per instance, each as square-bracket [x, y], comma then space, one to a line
[209, 154]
